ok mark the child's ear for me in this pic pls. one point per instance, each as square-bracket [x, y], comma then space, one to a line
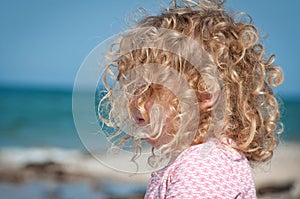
[207, 100]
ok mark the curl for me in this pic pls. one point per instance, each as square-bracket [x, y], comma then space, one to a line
[251, 116]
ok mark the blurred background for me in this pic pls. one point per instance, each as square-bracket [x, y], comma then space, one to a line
[42, 45]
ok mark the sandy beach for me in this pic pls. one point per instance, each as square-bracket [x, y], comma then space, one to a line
[55, 173]
[280, 178]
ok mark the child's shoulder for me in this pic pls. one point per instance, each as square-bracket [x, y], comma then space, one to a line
[214, 165]
[213, 154]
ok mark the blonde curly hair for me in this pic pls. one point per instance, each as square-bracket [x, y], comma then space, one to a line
[241, 72]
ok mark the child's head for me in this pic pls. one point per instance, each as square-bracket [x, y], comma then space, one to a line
[192, 73]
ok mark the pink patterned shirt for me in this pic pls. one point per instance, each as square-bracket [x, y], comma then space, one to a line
[209, 170]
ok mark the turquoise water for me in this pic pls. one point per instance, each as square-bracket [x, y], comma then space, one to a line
[32, 117]
[39, 118]
[291, 120]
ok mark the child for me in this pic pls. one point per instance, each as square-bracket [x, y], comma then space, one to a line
[195, 84]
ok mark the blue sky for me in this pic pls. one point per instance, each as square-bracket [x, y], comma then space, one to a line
[43, 43]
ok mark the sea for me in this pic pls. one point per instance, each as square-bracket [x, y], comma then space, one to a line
[35, 118]
[31, 117]
[37, 126]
